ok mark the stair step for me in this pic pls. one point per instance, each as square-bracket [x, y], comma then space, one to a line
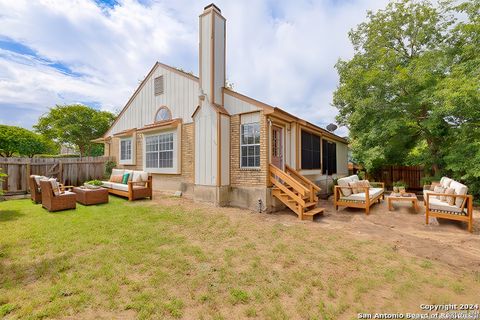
[310, 204]
[311, 213]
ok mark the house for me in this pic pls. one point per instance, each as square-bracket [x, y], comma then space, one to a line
[213, 144]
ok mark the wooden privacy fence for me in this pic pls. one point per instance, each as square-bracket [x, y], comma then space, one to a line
[69, 171]
[411, 175]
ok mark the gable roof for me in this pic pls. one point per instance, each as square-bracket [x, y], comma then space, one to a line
[152, 70]
[221, 109]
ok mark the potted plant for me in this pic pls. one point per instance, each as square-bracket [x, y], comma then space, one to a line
[93, 184]
[399, 187]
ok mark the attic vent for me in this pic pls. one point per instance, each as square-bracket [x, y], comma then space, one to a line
[158, 84]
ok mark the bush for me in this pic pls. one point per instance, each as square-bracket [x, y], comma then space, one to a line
[109, 165]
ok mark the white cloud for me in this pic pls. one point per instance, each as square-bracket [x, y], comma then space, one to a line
[281, 52]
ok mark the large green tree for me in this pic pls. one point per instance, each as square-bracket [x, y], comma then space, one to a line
[23, 142]
[77, 125]
[411, 83]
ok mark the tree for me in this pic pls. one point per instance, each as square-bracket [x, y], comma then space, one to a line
[387, 93]
[23, 142]
[75, 124]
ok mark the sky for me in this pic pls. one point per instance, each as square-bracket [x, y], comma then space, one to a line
[96, 52]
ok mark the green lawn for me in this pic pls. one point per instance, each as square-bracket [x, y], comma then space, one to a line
[144, 260]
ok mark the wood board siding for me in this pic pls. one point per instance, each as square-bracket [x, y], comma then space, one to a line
[206, 140]
[180, 96]
[235, 106]
[219, 58]
[205, 53]
[225, 150]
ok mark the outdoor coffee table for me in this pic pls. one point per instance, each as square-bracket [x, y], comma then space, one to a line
[409, 197]
[87, 196]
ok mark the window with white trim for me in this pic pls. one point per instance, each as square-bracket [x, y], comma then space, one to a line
[250, 145]
[161, 152]
[126, 150]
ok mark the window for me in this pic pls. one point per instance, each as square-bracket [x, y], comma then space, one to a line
[163, 114]
[158, 85]
[250, 145]
[161, 152]
[310, 151]
[329, 157]
[126, 150]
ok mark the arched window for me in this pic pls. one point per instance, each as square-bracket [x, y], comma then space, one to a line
[163, 114]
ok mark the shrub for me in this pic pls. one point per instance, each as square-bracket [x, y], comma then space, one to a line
[109, 165]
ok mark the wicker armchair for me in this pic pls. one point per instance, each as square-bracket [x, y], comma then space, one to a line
[51, 202]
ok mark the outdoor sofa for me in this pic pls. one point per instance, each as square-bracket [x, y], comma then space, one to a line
[138, 185]
[348, 194]
[448, 199]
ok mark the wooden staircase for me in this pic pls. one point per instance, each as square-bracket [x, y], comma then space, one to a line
[295, 191]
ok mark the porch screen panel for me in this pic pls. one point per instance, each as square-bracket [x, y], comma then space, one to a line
[310, 150]
[329, 157]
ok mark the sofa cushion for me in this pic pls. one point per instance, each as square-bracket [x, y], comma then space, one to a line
[445, 182]
[372, 193]
[344, 182]
[359, 186]
[354, 177]
[106, 184]
[119, 186]
[460, 189]
[438, 189]
[118, 172]
[425, 194]
[439, 205]
[140, 176]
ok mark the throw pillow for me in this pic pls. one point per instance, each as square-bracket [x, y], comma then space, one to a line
[358, 186]
[116, 179]
[125, 178]
[438, 189]
[450, 200]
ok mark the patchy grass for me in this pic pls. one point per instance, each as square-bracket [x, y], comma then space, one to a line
[148, 261]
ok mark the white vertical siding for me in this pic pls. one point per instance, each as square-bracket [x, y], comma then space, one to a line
[225, 148]
[206, 146]
[205, 53]
[180, 96]
[219, 58]
[235, 106]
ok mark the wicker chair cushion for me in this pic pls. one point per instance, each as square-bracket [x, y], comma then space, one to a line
[55, 186]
